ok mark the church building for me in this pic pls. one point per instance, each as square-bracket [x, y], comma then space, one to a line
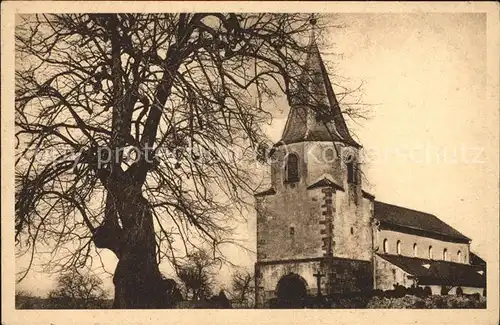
[317, 228]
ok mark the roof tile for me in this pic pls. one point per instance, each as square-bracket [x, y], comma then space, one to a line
[315, 113]
[409, 218]
[438, 272]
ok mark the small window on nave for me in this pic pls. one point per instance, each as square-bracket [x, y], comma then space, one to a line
[430, 252]
[292, 168]
[459, 257]
[415, 250]
[445, 254]
[386, 246]
[398, 247]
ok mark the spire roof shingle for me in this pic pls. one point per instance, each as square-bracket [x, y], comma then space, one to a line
[315, 113]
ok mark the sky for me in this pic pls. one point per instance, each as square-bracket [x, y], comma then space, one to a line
[431, 139]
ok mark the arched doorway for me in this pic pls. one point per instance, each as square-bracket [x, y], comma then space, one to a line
[291, 291]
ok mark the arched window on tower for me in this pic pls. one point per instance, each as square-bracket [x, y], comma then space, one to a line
[445, 254]
[351, 166]
[415, 250]
[459, 257]
[292, 168]
[398, 247]
[430, 252]
[350, 172]
[386, 246]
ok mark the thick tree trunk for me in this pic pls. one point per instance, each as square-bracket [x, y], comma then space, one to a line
[137, 279]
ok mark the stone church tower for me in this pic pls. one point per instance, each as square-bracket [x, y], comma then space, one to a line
[314, 225]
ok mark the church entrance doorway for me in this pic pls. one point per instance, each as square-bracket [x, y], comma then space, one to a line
[291, 291]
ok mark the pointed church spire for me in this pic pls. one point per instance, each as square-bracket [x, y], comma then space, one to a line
[315, 113]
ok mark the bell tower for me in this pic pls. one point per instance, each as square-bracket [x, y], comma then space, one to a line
[315, 216]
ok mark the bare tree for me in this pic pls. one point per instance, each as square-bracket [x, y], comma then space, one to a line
[197, 275]
[243, 286]
[179, 89]
[78, 291]
[24, 300]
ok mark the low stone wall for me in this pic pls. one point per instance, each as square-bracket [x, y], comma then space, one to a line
[430, 302]
[370, 301]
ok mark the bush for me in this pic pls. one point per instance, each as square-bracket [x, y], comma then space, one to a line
[24, 300]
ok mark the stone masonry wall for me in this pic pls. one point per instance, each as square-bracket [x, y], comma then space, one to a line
[339, 276]
[352, 228]
[296, 208]
[353, 232]
[328, 213]
[423, 243]
[387, 274]
[329, 222]
[347, 276]
[268, 275]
